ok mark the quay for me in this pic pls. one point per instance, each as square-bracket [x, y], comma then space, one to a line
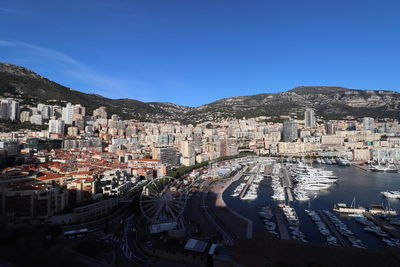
[289, 194]
[246, 187]
[287, 184]
[286, 181]
[281, 221]
[228, 222]
[360, 167]
[332, 228]
[268, 169]
[250, 181]
[383, 224]
[237, 176]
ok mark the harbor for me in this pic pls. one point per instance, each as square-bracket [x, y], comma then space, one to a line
[287, 184]
[330, 185]
[283, 230]
[392, 230]
[247, 186]
[332, 228]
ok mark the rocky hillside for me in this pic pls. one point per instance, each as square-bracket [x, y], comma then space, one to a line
[31, 88]
[329, 102]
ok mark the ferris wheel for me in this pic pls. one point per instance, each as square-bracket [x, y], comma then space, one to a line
[163, 200]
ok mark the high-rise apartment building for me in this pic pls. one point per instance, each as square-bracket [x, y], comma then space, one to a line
[68, 113]
[56, 111]
[188, 152]
[25, 116]
[79, 112]
[9, 109]
[309, 117]
[37, 119]
[4, 109]
[167, 155]
[289, 131]
[165, 139]
[330, 128]
[368, 124]
[45, 110]
[56, 126]
[14, 110]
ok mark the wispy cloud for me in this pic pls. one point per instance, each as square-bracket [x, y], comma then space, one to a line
[46, 51]
[9, 10]
[100, 84]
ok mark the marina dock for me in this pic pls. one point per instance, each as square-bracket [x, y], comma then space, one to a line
[246, 187]
[268, 169]
[360, 167]
[287, 183]
[289, 194]
[281, 221]
[383, 224]
[332, 228]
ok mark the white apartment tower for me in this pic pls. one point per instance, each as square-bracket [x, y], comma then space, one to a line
[14, 110]
[56, 126]
[68, 113]
[9, 109]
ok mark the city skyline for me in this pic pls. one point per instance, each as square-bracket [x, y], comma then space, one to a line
[66, 167]
[199, 133]
[146, 53]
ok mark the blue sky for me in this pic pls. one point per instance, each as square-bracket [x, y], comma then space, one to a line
[192, 52]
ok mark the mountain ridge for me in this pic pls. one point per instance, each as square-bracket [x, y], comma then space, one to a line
[330, 102]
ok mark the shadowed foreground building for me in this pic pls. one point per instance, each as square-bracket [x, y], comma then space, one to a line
[266, 250]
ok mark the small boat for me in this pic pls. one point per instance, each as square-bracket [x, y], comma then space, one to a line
[364, 221]
[372, 229]
[388, 242]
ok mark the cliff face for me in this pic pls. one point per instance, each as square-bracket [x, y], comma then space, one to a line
[329, 102]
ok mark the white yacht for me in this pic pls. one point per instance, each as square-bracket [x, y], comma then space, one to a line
[343, 208]
[391, 194]
[383, 168]
[238, 190]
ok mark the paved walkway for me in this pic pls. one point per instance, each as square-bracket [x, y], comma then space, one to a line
[238, 224]
[281, 221]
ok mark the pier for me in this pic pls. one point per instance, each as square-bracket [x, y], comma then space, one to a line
[268, 169]
[281, 221]
[250, 181]
[287, 183]
[237, 176]
[246, 187]
[332, 228]
[289, 194]
[360, 167]
[383, 224]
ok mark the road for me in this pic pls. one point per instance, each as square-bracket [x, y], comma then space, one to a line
[194, 211]
[130, 246]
